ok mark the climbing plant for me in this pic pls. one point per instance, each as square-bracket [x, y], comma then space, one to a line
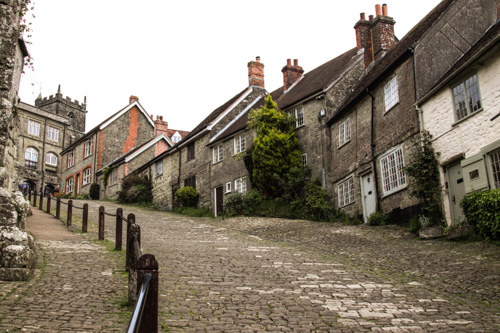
[424, 181]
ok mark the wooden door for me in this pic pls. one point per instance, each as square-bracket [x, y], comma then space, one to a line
[219, 199]
[456, 191]
[368, 195]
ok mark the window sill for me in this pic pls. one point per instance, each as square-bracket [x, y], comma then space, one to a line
[457, 122]
[345, 143]
[350, 203]
[158, 176]
[394, 191]
[213, 163]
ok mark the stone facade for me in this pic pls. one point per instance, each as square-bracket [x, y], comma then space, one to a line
[127, 129]
[17, 251]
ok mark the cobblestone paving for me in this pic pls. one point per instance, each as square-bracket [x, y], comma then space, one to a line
[251, 274]
[76, 288]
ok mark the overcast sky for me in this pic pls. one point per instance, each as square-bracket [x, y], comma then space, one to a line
[183, 59]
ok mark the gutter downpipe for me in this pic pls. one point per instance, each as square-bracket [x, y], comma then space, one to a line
[372, 145]
[420, 115]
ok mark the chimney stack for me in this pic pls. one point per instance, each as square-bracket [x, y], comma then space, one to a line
[256, 73]
[383, 38]
[133, 98]
[160, 125]
[291, 73]
[364, 38]
[375, 36]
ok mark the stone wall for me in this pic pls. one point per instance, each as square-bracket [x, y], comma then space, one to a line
[17, 256]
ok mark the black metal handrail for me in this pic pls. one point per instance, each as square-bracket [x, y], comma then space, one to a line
[142, 297]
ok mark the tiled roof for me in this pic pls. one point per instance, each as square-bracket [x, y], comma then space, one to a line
[401, 50]
[317, 79]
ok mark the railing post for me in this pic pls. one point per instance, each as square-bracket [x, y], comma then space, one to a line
[58, 208]
[101, 223]
[135, 234]
[118, 229]
[149, 265]
[41, 201]
[49, 200]
[129, 249]
[70, 212]
[85, 217]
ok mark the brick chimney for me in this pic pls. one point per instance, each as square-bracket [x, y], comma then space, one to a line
[364, 38]
[256, 73]
[132, 99]
[160, 125]
[291, 73]
[383, 38]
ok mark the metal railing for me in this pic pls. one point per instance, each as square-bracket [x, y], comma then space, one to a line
[142, 268]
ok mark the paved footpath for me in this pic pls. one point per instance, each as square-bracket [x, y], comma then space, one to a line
[77, 287]
[215, 279]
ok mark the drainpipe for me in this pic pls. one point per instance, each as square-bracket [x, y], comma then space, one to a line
[43, 157]
[372, 144]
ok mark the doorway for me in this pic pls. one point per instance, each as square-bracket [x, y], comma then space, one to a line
[219, 199]
[456, 191]
[368, 195]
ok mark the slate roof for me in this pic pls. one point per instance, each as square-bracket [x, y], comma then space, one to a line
[492, 35]
[400, 51]
[212, 116]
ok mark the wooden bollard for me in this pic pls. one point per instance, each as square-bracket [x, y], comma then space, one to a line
[85, 217]
[148, 265]
[118, 229]
[29, 196]
[41, 201]
[58, 208]
[49, 200]
[34, 199]
[70, 212]
[129, 250]
[101, 223]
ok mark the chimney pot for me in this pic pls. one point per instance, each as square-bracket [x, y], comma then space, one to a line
[289, 62]
[385, 12]
[378, 11]
[291, 73]
[133, 98]
[295, 62]
[257, 59]
[362, 16]
[161, 118]
[370, 18]
[152, 118]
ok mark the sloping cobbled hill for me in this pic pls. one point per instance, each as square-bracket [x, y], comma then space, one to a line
[249, 274]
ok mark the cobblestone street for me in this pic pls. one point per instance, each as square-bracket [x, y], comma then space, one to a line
[255, 274]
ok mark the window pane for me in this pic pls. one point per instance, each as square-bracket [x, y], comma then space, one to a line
[473, 94]
[495, 168]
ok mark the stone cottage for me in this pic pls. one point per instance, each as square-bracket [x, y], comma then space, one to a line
[462, 113]
[373, 132]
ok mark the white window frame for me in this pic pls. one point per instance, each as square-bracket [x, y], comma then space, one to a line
[344, 132]
[298, 114]
[87, 176]
[51, 159]
[463, 92]
[392, 170]
[345, 192]
[69, 185]
[304, 160]
[228, 187]
[240, 144]
[240, 185]
[33, 154]
[113, 177]
[52, 134]
[159, 168]
[217, 154]
[391, 94]
[33, 128]
[494, 164]
[176, 138]
[88, 147]
[71, 159]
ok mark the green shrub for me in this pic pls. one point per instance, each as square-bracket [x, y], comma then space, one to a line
[136, 190]
[482, 210]
[186, 196]
[82, 197]
[414, 226]
[347, 220]
[252, 202]
[377, 218]
[233, 203]
[94, 191]
[317, 203]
